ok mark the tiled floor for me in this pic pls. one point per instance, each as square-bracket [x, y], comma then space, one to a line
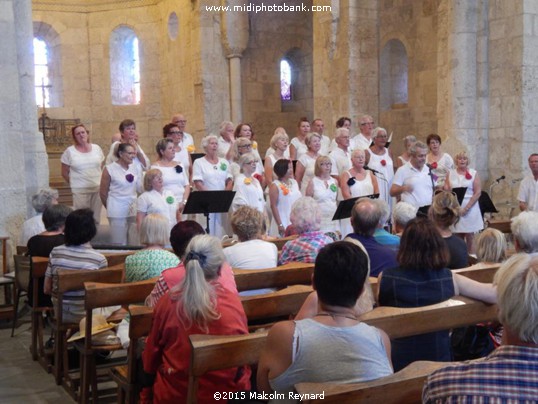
[21, 379]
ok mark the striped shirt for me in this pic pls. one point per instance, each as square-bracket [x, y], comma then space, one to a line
[304, 248]
[508, 375]
[80, 257]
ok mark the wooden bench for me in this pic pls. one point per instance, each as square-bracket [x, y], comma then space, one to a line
[100, 295]
[270, 306]
[279, 242]
[140, 319]
[293, 273]
[66, 280]
[403, 387]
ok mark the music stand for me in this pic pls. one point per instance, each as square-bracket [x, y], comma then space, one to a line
[486, 204]
[207, 202]
[343, 210]
[460, 193]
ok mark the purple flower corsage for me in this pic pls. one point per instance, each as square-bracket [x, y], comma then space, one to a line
[179, 169]
[129, 177]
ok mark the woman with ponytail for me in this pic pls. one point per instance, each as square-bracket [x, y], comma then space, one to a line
[198, 305]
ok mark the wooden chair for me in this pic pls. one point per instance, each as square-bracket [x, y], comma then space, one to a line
[21, 249]
[215, 352]
[279, 242]
[66, 280]
[7, 280]
[38, 269]
[293, 273]
[23, 267]
[140, 318]
[403, 387]
[103, 295]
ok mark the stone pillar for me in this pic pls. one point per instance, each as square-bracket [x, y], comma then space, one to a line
[234, 27]
[24, 165]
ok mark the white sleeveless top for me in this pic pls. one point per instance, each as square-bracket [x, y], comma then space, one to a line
[121, 201]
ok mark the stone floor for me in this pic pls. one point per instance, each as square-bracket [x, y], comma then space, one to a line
[21, 379]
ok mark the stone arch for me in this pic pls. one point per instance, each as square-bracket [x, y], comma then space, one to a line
[124, 59]
[50, 36]
[394, 75]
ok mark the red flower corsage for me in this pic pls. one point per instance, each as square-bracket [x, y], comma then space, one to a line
[258, 177]
[434, 165]
[383, 163]
[468, 175]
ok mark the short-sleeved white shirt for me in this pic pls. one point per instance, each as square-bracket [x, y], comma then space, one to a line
[84, 168]
[421, 182]
[214, 176]
[342, 159]
[528, 192]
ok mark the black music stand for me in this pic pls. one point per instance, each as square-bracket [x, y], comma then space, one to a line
[486, 204]
[207, 202]
[460, 193]
[343, 211]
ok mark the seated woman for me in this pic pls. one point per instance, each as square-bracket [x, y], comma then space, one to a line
[421, 279]
[491, 246]
[445, 212]
[305, 217]
[153, 259]
[77, 254]
[180, 237]
[199, 305]
[42, 244]
[251, 252]
[333, 346]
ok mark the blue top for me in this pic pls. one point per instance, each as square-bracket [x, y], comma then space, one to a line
[383, 237]
[415, 288]
[381, 257]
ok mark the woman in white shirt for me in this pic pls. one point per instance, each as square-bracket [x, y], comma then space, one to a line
[82, 164]
[248, 190]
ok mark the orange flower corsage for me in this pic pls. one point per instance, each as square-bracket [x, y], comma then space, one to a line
[285, 189]
[247, 180]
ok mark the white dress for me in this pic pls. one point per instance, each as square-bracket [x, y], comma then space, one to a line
[248, 191]
[359, 188]
[444, 165]
[173, 181]
[309, 164]
[121, 201]
[214, 177]
[164, 204]
[299, 146]
[472, 221]
[384, 180]
[325, 196]
[285, 201]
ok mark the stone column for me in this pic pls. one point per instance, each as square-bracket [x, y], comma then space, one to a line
[234, 28]
[24, 165]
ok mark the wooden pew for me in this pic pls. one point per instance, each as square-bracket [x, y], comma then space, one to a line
[279, 242]
[479, 272]
[103, 295]
[64, 281]
[397, 322]
[214, 352]
[403, 387]
[293, 273]
[282, 303]
[126, 375]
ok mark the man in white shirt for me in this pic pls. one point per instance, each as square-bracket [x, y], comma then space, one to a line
[318, 127]
[413, 181]
[363, 140]
[528, 189]
[181, 122]
[341, 155]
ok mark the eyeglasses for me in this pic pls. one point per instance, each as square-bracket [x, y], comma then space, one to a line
[250, 162]
[175, 133]
[185, 121]
[367, 123]
[245, 145]
[326, 164]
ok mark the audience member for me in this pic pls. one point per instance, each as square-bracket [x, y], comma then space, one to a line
[153, 259]
[199, 305]
[333, 346]
[525, 232]
[510, 373]
[306, 218]
[421, 279]
[365, 218]
[402, 213]
[491, 246]
[382, 236]
[40, 201]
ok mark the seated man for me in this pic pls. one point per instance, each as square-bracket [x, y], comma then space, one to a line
[382, 236]
[365, 217]
[510, 373]
[332, 346]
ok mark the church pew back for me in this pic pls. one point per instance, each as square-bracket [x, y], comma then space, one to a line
[293, 273]
[403, 387]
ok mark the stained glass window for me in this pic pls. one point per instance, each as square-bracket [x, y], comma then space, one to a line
[285, 80]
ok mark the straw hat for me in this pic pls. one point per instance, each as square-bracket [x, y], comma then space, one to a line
[99, 325]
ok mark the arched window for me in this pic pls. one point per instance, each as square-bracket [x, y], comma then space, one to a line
[285, 81]
[394, 75]
[41, 66]
[124, 67]
[47, 66]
